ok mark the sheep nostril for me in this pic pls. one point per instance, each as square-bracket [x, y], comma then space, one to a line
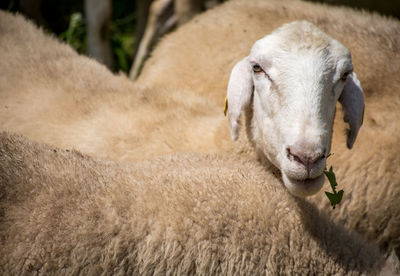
[304, 159]
[294, 156]
[317, 158]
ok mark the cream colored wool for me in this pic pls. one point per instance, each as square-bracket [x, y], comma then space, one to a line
[64, 213]
[51, 94]
[200, 56]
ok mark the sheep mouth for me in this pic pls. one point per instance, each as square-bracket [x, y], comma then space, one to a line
[303, 187]
[307, 181]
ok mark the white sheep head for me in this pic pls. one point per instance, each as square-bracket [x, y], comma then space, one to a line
[292, 80]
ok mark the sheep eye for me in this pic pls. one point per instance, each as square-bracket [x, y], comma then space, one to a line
[344, 76]
[257, 68]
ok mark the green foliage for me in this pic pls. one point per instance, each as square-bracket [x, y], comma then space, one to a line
[121, 38]
[334, 197]
[122, 42]
[75, 35]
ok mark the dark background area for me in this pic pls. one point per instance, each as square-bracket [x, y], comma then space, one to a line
[66, 19]
[57, 16]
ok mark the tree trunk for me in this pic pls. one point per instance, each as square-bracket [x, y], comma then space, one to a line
[98, 17]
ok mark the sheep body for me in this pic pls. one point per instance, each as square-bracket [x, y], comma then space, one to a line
[65, 213]
[200, 55]
[368, 174]
[51, 94]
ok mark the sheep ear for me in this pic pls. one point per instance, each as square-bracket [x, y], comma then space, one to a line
[240, 89]
[352, 100]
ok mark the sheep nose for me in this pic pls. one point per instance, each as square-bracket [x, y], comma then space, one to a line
[307, 159]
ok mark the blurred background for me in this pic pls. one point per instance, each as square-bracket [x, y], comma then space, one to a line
[121, 33]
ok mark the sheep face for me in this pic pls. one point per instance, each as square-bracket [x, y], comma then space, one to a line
[292, 80]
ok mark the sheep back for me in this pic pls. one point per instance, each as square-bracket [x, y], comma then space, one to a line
[66, 213]
[51, 94]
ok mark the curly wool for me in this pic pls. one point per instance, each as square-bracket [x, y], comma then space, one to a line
[65, 213]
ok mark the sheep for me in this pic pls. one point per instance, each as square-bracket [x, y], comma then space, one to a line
[293, 131]
[82, 105]
[289, 85]
[198, 57]
[163, 16]
[64, 213]
[51, 94]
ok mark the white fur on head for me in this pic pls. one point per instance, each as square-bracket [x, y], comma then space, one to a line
[292, 79]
